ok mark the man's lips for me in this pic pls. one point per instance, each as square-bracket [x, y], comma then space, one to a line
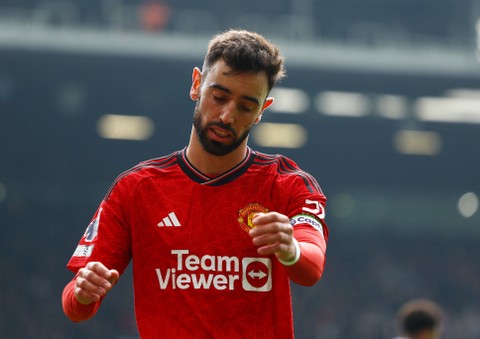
[220, 134]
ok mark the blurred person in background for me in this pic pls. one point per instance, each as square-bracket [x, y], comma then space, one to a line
[420, 319]
[154, 15]
[216, 231]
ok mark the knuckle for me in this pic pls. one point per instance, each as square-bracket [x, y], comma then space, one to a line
[88, 274]
[80, 283]
[93, 265]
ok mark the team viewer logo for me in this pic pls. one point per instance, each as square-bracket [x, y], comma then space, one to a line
[256, 274]
[213, 272]
[246, 214]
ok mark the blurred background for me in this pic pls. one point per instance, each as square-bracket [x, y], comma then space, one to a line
[381, 104]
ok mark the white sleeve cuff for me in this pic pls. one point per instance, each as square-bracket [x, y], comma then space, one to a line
[297, 255]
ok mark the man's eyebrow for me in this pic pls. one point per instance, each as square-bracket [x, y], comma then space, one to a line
[226, 90]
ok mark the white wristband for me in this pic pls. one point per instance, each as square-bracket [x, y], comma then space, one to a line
[297, 255]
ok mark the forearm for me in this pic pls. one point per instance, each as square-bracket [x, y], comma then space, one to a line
[310, 266]
[74, 310]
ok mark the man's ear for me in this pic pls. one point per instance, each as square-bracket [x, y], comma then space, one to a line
[196, 82]
[268, 102]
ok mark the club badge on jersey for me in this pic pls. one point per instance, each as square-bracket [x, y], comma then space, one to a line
[246, 214]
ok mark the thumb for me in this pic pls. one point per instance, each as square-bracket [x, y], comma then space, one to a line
[112, 276]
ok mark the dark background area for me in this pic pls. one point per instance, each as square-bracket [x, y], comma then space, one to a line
[402, 238]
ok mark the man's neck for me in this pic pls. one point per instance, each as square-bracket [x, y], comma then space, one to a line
[213, 165]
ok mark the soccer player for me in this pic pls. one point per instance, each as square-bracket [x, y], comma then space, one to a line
[216, 231]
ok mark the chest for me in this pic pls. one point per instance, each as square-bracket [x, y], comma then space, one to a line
[208, 219]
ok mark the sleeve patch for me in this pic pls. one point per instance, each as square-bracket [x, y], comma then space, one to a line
[83, 251]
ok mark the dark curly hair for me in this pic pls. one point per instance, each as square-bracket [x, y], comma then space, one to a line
[245, 51]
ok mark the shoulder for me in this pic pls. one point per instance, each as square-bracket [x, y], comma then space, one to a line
[279, 162]
[286, 170]
[150, 167]
[144, 170]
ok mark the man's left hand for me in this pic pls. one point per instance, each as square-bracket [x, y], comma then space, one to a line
[273, 234]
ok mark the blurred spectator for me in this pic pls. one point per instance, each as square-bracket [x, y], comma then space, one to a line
[154, 15]
[420, 319]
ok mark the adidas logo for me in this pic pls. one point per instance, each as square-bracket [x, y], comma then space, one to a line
[169, 220]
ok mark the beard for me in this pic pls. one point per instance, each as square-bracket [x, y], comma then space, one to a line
[212, 146]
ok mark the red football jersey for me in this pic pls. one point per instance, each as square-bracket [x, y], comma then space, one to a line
[196, 272]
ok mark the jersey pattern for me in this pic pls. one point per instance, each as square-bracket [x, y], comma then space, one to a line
[196, 271]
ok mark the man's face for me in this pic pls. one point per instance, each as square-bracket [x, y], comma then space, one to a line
[213, 145]
[227, 106]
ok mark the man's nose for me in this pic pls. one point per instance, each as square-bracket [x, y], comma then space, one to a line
[228, 113]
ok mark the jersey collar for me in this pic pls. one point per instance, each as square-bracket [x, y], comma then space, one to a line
[222, 179]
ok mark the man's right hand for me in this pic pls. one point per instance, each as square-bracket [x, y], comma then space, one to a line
[93, 282]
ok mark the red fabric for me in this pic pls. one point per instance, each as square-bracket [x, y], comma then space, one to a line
[309, 268]
[74, 310]
[196, 272]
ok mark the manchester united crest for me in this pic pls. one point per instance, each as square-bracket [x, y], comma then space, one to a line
[246, 214]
